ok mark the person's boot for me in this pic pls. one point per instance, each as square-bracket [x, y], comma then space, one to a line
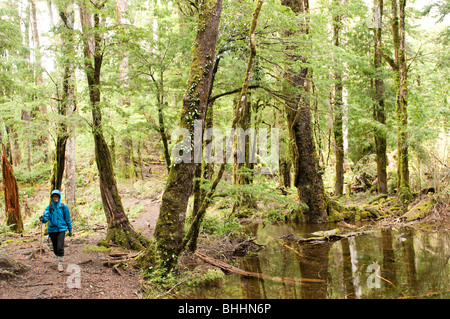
[60, 263]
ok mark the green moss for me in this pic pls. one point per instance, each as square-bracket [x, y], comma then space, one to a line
[420, 210]
[96, 248]
[126, 239]
[211, 278]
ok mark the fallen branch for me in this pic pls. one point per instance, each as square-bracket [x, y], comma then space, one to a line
[320, 239]
[288, 247]
[224, 266]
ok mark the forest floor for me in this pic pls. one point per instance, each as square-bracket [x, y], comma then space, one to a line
[81, 253]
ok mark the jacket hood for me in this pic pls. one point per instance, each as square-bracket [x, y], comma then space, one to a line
[56, 191]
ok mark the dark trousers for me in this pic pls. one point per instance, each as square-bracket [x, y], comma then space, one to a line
[58, 242]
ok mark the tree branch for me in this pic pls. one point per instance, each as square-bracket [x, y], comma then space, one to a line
[388, 59]
[215, 97]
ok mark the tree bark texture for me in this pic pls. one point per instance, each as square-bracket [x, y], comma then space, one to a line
[243, 172]
[379, 110]
[169, 230]
[338, 111]
[399, 67]
[66, 103]
[11, 192]
[307, 176]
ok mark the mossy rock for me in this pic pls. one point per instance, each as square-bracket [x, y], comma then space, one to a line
[337, 216]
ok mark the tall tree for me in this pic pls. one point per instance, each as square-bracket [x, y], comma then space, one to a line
[169, 230]
[378, 109]
[202, 199]
[41, 109]
[243, 171]
[124, 81]
[66, 100]
[400, 69]
[307, 176]
[120, 229]
[337, 100]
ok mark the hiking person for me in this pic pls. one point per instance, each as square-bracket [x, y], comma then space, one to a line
[59, 216]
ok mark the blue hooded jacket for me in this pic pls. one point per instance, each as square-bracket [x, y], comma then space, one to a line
[59, 217]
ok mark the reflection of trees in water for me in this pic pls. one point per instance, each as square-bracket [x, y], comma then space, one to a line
[412, 263]
[409, 255]
[314, 265]
[252, 288]
[351, 281]
[388, 267]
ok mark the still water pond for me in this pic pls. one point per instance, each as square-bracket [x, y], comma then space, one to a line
[392, 263]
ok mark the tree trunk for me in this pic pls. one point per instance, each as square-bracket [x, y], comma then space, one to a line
[120, 231]
[402, 117]
[338, 110]
[399, 67]
[205, 171]
[71, 106]
[42, 140]
[243, 172]
[307, 176]
[378, 112]
[170, 225]
[127, 143]
[285, 173]
[11, 192]
[66, 101]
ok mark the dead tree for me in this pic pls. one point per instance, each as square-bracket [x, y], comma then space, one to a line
[11, 191]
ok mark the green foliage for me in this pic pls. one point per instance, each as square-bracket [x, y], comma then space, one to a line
[220, 225]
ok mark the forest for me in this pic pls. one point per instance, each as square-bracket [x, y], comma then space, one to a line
[220, 148]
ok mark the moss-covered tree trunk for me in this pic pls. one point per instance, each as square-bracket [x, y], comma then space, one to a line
[402, 114]
[243, 166]
[169, 230]
[67, 99]
[243, 171]
[337, 108]
[307, 176]
[400, 70]
[203, 203]
[120, 231]
[378, 111]
[11, 192]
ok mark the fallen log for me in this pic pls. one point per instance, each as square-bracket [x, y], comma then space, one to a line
[377, 198]
[326, 237]
[229, 268]
[420, 210]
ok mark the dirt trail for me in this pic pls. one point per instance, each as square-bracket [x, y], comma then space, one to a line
[95, 281]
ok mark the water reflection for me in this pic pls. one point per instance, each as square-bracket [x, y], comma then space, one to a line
[409, 263]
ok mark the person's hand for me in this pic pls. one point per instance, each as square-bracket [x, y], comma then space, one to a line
[41, 218]
[70, 233]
